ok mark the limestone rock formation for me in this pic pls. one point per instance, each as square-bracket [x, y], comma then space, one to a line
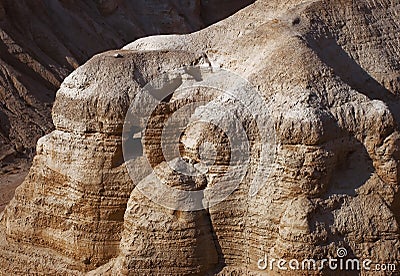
[41, 42]
[328, 72]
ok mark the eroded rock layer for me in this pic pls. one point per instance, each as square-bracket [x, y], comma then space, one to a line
[328, 72]
[41, 42]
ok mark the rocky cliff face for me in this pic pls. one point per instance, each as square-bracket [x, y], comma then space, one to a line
[41, 42]
[328, 71]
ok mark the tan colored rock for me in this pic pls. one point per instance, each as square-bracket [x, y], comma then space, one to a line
[331, 83]
[41, 42]
[76, 193]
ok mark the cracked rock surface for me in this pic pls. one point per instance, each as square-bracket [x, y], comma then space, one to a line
[41, 42]
[329, 73]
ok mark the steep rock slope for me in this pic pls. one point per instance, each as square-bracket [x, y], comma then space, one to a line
[41, 42]
[329, 73]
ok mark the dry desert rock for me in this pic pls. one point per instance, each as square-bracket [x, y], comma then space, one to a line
[328, 72]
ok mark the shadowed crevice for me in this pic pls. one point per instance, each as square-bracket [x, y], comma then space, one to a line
[344, 66]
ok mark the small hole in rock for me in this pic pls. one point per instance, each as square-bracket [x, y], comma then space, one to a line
[133, 147]
[87, 261]
[167, 99]
[296, 21]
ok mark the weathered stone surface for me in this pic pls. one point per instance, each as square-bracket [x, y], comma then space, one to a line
[78, 186]
[41, 42]
[328, 71]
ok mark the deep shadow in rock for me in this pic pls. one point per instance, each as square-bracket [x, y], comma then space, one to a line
[221, 258]
[133, 147]
[353, 168]
[350, 72]
[212, 11]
